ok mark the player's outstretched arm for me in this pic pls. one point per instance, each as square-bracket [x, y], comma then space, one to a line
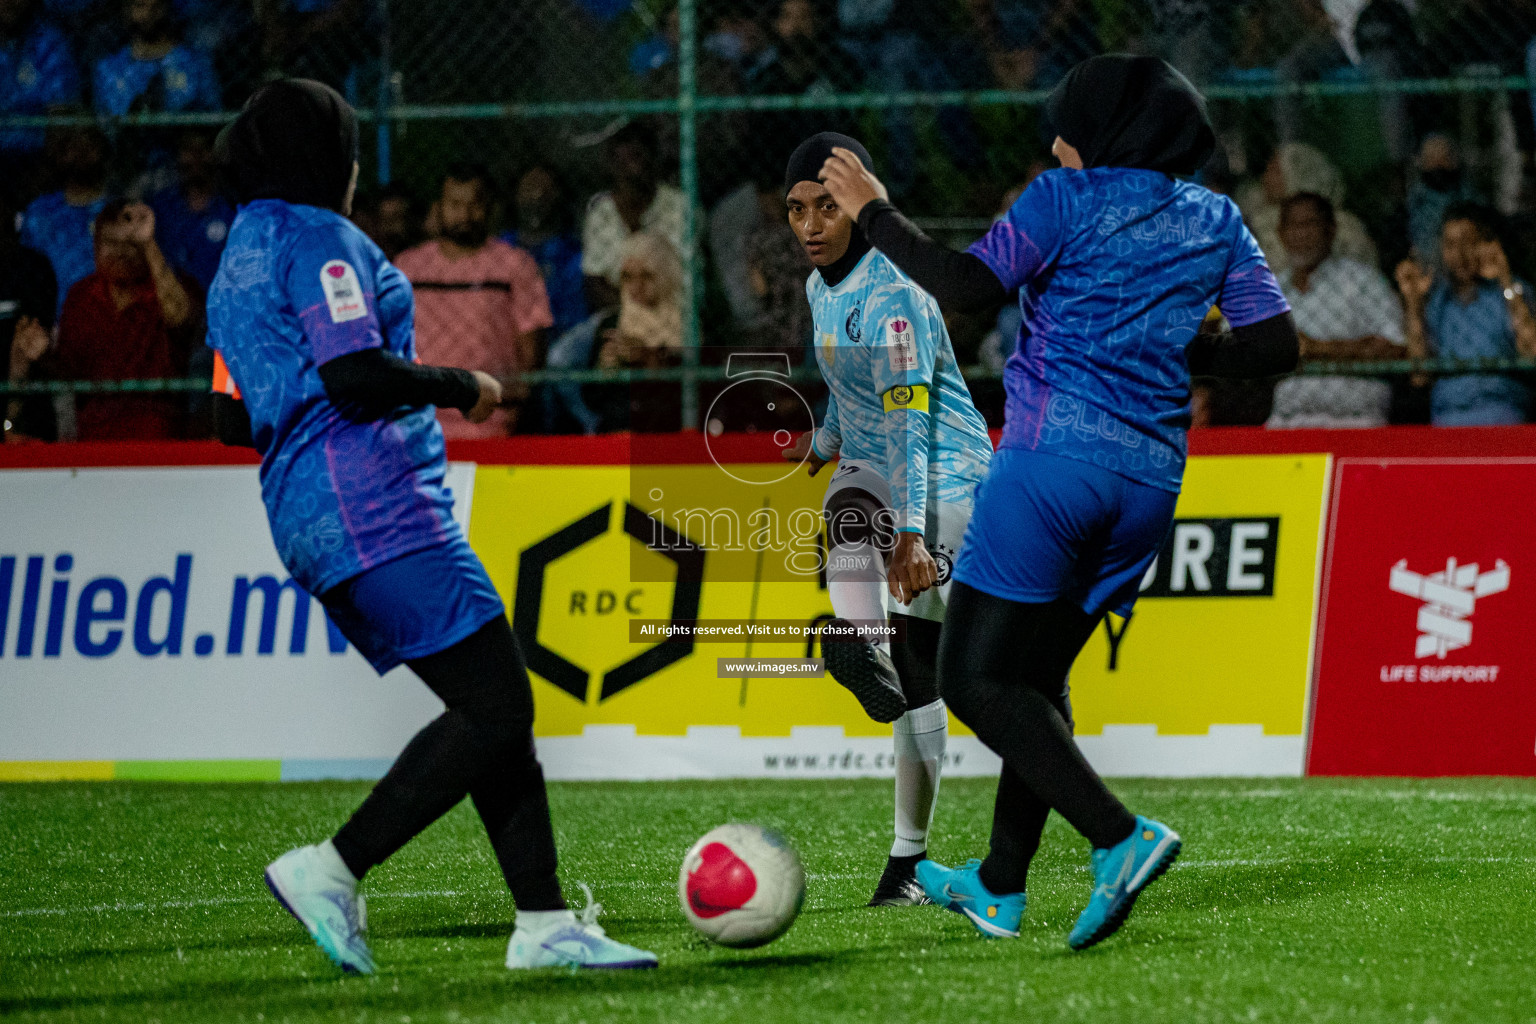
[1264, 349]
[375, 381]
[960, 281]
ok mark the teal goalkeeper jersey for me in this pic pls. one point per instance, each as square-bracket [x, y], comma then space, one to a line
[897, 398]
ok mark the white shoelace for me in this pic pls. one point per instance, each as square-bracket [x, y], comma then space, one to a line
[588, 917]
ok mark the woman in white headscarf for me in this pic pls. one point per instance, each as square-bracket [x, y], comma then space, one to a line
[1297, 167]
[650, 327]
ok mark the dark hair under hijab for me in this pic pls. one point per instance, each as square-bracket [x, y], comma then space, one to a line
[1118, 110]
[295, 140]
[805, 165]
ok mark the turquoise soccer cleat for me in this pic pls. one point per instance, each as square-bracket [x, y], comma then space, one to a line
[325, 901]
[960, 890]
[573, 942]
[1119, 875]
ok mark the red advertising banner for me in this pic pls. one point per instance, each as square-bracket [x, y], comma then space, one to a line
[1426, 656]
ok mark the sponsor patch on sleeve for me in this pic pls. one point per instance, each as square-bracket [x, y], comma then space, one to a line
[343, 292]
[900, 345]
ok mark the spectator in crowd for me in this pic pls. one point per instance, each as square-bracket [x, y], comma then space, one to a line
[544, 231]
[740, 38]
[1297, 167]
[59, 224]
[752, 206]
[638, 200]
[1344, 311]
[392, 217]
[645, 332]
[1438, 183]
[27, 306]
[155, 71]
[133, 318]
[1383, 43]
[1315, 53]
[1475, 308]
[777, 269]
[37, 74]
[480, 302]
[192, 217]
[650, 328]
[804, 58]
[325, 40]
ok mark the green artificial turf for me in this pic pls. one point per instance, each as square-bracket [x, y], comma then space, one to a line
[1317, 900]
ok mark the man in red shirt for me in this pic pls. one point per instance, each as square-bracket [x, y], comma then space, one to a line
[480, 303]
[133, 318]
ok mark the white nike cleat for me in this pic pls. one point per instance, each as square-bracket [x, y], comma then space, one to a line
[571, 941]
[314, 886]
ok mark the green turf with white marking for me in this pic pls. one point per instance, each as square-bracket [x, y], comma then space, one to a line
[1310, 900]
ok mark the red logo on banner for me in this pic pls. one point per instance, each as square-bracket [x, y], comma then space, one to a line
[1424, 663]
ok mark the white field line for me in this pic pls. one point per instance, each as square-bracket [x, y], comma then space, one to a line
[229, 901]
[1395, 795]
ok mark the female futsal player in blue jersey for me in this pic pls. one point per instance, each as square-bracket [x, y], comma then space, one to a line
[1118, 261]
[313, 327]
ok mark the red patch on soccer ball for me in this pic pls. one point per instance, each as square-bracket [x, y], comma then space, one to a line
[336, 271]
[722, 882]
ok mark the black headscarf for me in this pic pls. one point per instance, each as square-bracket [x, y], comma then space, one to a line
[1123, 111]
[295, 140]
[805, 165]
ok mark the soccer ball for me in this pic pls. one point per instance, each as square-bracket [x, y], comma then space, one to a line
[742, 885]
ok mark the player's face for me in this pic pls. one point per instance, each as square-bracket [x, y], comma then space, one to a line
[1064, 151]
[823, 229]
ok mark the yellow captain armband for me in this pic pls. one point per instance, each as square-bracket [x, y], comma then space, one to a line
[906, 396]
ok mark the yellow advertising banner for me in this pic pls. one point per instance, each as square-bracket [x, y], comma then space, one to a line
[1210, 674]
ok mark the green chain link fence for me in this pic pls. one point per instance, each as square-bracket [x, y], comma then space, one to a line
[947, 95]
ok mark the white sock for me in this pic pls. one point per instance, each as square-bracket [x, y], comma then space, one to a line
[540, 920]
[921, 736]
[331, 861]
[856, 584]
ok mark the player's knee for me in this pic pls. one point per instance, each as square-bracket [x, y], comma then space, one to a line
[855, 518]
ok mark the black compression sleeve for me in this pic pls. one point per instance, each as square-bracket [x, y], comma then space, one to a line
[960, 281]
[231, 421]
[377, 381]
[1264, 349]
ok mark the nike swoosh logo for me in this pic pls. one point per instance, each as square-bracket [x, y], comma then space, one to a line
[955, 897]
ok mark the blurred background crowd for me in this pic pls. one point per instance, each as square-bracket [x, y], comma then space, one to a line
[526, 166]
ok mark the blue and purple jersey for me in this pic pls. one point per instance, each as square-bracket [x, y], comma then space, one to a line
[1117, 268]
[297, 287]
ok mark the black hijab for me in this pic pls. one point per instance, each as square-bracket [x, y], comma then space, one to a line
[805, 165]
[295, 140]
[1123, 111]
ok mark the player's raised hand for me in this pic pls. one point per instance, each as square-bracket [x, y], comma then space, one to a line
[912, 568]
[850, 183]
[803, 451]
[490, 398]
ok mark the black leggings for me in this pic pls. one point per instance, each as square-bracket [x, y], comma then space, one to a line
[482, 745]
[1003, 671]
